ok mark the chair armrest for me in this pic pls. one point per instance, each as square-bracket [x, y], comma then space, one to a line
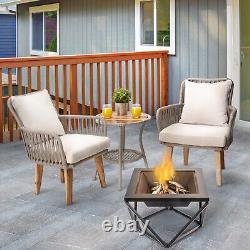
[43, 148]
[84, 124]
[168, 115]
[232, 112]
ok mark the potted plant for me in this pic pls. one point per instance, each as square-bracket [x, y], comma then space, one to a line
[121, 97]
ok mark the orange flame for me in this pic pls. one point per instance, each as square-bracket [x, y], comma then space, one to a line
[165, 171]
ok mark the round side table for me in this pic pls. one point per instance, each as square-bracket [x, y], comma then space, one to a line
[124, 155]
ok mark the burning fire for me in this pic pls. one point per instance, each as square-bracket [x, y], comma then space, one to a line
[164, 174]
[165, 171]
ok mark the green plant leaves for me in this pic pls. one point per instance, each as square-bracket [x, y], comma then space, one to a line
[121, 95]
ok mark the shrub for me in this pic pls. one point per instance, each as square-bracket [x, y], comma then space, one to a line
[121, 96]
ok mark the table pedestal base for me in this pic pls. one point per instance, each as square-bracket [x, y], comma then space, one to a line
[123, 155]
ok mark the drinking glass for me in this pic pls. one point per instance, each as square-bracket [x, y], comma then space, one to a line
[136, 110]
[107, 111]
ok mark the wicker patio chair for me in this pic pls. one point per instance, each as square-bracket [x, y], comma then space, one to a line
[62, 141]
[168, 120]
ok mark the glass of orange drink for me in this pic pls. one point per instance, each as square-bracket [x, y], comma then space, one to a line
[136, 110]
[107, 111]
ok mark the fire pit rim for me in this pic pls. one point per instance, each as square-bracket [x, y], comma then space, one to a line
[202, 194]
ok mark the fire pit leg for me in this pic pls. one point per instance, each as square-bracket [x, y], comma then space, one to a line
[153, 235]
[192, 219]
[180, 235]
[135, 217]
[202, 214]
[135, 207]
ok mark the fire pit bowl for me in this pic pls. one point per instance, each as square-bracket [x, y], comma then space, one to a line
[139, 190]
[142, 180]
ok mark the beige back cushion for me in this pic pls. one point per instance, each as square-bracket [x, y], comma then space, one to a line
[206, 103]
[36, 111]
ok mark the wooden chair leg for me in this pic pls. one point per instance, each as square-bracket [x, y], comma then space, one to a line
[68, 176]
[62, 175]
[185, 155]
[218, 156]
[169, 151]
[222, 160]
[38, 178]
[100, 171]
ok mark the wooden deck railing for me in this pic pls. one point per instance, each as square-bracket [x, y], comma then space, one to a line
[81, 84]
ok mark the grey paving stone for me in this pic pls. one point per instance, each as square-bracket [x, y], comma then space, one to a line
[28, 221]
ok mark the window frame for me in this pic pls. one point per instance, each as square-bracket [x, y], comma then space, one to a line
[43, 9]
[145, 47]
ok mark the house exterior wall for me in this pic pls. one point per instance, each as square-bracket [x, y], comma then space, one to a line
[201, 42]
[7, 35]
[94, 26]
[98, 26]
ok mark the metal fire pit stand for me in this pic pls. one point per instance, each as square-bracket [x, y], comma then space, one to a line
[197, 219]
[137, 191]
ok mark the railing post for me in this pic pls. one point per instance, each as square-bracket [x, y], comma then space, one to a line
[10, 115]
[164, 79]
[1, 108]
[73, 90]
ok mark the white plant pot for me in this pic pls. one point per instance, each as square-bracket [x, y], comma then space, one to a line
[121, 108]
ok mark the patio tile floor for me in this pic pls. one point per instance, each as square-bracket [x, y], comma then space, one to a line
[45, 222]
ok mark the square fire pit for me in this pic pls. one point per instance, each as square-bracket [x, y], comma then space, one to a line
[139, 190]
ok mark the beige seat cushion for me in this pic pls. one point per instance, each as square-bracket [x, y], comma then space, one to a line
[36, 111]
[195, 135]
[206, 104]
[78, 147]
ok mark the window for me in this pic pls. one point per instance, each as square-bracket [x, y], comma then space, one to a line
[44, 30]
[155, 25]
